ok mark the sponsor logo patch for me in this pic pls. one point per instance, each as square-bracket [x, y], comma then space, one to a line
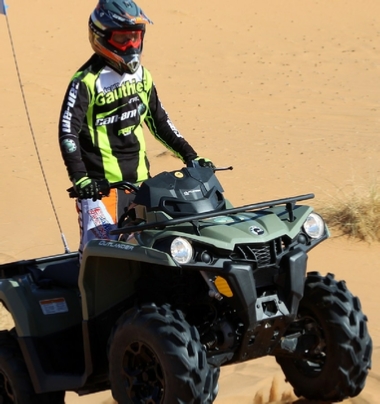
[69, 145]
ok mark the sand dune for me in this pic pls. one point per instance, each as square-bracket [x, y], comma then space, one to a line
[285, 91]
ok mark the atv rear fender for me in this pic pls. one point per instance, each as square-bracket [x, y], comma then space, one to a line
[30, 305]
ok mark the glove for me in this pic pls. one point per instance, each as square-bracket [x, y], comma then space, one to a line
[88, 188]
[200, 162]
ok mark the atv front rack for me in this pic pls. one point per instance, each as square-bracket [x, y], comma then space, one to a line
[290, 203]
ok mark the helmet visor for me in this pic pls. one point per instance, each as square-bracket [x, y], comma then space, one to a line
[124, 40]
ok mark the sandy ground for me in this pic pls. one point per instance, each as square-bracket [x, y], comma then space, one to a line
[286, 92]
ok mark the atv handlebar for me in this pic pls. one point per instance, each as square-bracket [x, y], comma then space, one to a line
[106, 186]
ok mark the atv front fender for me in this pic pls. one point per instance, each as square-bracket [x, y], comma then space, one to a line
[109, 270]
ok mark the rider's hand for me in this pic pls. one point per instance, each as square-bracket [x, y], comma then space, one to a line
[200, 162]
[88, 188]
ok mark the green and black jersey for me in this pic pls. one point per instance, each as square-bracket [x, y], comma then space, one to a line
[100, 125]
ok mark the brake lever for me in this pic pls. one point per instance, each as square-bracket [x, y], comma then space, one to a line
[223, 168]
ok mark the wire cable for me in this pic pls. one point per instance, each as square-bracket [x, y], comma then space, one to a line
[67, 250]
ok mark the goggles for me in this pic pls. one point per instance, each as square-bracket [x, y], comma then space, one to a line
[124, 40]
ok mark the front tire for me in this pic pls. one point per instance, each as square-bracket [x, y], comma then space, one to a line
[333, 353]
[155, 356]
[15, 384]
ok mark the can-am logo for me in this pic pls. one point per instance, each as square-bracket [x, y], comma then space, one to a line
[116, 118]
[256, 230]
[191, 191]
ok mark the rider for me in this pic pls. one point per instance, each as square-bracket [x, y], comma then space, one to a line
[100, 125]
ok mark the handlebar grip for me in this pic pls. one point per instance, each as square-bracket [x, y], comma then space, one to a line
[106, 186]
[72, 193]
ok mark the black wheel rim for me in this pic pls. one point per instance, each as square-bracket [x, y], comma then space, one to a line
[143, 374]
[6, 392]
[311, 347]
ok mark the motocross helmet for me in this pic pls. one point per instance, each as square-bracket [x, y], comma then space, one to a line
[116, 32]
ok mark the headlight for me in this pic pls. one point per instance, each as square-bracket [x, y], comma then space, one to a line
[314, 226]
[181, 250]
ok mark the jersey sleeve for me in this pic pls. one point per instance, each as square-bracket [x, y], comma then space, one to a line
[71, 119]
[164, 130]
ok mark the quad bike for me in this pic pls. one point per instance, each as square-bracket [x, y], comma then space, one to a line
[191, 285]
